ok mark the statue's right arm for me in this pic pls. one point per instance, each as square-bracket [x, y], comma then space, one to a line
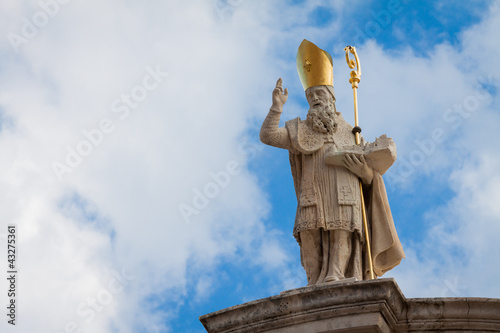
[270, 132]
[273, 135]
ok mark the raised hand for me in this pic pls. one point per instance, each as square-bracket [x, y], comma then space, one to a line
[279, 97]
[359, 167]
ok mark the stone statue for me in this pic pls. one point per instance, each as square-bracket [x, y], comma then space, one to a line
[326, 168]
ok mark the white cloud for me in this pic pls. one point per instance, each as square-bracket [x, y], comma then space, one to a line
[119, 207]
[456, 257]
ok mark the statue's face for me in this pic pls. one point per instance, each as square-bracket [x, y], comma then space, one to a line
[318, 96]
[321, 114]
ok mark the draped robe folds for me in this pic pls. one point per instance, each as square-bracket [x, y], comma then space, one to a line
[328, 196]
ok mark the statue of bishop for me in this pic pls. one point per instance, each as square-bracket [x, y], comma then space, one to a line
[327, 167]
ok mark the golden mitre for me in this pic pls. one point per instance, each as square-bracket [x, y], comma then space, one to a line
[314, 65]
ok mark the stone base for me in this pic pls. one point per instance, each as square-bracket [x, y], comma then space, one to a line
[356, 306]
[298, 290]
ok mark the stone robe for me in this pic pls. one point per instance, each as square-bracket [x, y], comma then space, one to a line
[328, 196]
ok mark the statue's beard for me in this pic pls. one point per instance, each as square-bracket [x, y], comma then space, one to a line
[321, 117]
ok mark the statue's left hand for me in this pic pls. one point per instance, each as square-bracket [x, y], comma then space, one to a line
[359, 167]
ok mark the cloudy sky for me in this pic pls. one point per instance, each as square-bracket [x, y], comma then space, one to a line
[131, 166]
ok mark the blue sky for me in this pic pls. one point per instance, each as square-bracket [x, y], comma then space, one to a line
[142, 195]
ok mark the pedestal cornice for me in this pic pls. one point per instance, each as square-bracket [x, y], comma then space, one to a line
[363, 306]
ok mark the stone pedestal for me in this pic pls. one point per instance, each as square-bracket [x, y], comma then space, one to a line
[350, 306]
